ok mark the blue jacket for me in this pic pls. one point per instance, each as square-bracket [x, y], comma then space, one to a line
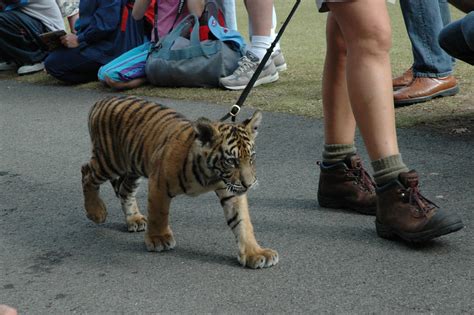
[99, 30]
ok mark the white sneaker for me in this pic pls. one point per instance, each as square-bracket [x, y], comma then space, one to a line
[279, 60]
[27, 69]
[247, 66]
[5, 66]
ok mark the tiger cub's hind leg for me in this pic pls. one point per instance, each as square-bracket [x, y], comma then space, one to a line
[126, 188]
[91, 181]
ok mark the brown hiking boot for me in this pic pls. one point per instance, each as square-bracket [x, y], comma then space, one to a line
[402, 211]
[347, 185]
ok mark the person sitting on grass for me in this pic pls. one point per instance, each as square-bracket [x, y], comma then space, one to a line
[128, 70]
[21, 23]
[104, 31]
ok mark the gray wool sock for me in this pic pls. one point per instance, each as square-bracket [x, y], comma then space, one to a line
[388, 168]
[334, 153]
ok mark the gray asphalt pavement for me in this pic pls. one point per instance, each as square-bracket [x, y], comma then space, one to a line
[53, 260]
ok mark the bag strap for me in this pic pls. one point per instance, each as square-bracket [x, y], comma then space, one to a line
[186, 24]
[155, 23]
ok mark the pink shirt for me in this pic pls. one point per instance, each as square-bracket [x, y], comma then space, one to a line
[167, 12]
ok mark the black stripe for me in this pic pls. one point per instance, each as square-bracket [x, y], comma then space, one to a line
[131, 125]
[164, 124]
[168, 190]
[106, 136]
[107, 172]
[138, 162]
[192, 135]
[230, 221]
[225, 199]
[120, 119]
[183, 169]
[196, 173]
[156, 125]
[181, 184]
[142, 169]
[137, 126]
[115, 122]
[199, 160]
[95, 172]
[136, 157]
[232, 141]
[214, 160]
[183, 129]
[235, 225]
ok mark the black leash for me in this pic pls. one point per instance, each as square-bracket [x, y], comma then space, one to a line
[235, 109]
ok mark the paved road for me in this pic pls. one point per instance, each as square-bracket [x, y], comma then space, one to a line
[53, 260]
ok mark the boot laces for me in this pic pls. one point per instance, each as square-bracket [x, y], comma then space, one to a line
[362, 177]
[414, 197]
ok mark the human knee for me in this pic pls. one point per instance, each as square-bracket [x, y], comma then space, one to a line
[374, 40]
[335, 41]
[52, 66]
[444, 39]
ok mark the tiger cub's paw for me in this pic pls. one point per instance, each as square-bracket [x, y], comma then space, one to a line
[159, 243]
[261, 258]
[136, 223]
[96, 210]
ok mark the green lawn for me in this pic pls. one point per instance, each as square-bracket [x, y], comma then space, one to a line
[299, 89]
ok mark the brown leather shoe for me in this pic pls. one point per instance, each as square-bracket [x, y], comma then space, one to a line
[402, 211]
[403, 80]
[424, 89]
[347, 185]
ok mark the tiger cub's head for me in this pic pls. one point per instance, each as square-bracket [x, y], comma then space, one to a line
[229, 150]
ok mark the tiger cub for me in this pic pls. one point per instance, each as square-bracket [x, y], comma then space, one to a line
[134, 138]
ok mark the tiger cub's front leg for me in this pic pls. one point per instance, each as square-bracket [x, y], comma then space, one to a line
[159, 236]
[125, 188]
[238, 219]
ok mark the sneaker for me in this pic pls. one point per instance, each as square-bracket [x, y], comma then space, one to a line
[403, 212]
[5, 66]
[347, 185]
[27, 69]
[279, 60]
[247, 66]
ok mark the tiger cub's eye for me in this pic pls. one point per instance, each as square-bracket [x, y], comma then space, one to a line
[231, 161]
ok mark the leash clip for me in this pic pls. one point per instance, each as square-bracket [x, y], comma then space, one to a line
[234, 110]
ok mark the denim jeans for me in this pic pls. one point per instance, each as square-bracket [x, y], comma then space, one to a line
[457, 39]
[424, 20]
[69, 65]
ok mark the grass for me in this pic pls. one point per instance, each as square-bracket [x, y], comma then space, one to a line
[299, 89]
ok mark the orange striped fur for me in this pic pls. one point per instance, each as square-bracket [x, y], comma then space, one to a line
[133, 138]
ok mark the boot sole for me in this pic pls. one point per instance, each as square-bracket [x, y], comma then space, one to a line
[389, 233]
[411, 101]
[342, 204]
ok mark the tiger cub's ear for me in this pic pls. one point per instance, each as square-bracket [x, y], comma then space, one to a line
[253, 123]
[206, 133]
